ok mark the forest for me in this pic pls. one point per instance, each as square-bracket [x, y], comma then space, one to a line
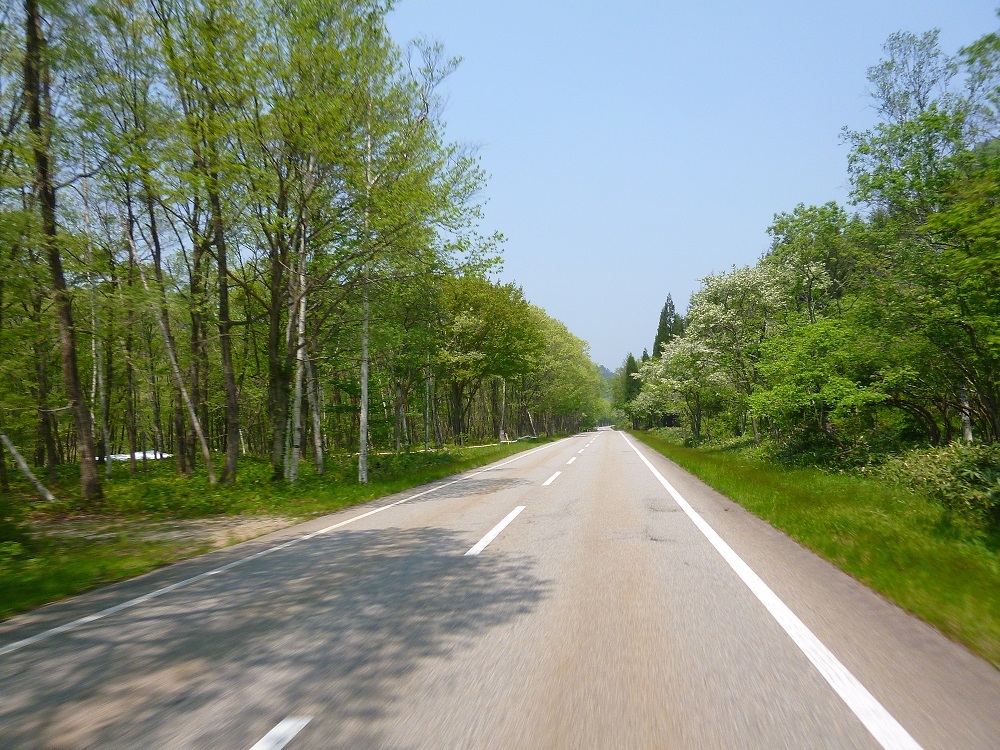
[238, 231]
[867, 338]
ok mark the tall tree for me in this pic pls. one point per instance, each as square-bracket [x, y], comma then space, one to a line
[670, 325]
[38, 101]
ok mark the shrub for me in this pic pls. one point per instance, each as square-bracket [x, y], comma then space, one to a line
[963, 478]
[842, 451]
[11, 524]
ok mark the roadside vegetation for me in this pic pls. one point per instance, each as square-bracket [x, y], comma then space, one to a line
[238, 230]
[846, 386]
[154, 517]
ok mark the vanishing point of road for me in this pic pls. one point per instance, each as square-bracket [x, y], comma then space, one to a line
[585, 594]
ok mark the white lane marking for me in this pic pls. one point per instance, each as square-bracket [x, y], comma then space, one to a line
[494, 532]
[581, 450]
[877, 720]
[551, 479]
[571, 460]
[72, 625]
[282, 734]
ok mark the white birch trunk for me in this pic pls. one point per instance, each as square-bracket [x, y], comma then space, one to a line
[315, 407]
[963, 394]
[503, 411]
[363, 436]
[97, 351]
[300, 352]
[23, 466]
[363, 427]
[175, 369]
[427, 406]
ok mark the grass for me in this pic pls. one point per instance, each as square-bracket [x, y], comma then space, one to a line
[899, 543]
[51, 551]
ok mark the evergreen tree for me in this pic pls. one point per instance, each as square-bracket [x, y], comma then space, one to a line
[671, 325]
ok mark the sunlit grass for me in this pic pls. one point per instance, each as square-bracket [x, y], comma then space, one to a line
[37, 568]
[901, 544]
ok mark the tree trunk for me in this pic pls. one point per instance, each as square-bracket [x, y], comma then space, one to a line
[427, 409]
[456, 412]
[277, 370]
[175, 369]
[363, 429]
[316, 410]
[963, 395]
[47, 453]
[180, 442]
[199, 352]
[23, 466]
[98, 391]
[4, 481]
[300, 357]
[38, 105]
[438, 439]
[503, 411]
[130, 420]
[154, 393]
[225, 343]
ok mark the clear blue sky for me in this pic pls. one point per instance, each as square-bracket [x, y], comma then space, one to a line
[634, 147]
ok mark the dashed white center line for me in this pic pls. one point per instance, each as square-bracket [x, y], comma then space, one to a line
[68, 626]
[571, 460]
[581, 450]
[551, 479]
[494, 532]
[282, 734]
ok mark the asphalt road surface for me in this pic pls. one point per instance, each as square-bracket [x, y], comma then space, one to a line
[586, 594]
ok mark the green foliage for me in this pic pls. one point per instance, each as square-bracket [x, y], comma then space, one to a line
[227, 171]
[670, 325]
[963, 478]
[55, 568]
[812, 245]
[12, 529]
[816, 373]
[564, 381]
[859, 336]
[488, 329]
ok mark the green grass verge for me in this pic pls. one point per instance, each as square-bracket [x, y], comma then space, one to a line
[900, 544]
[37, 568]
[54, 569]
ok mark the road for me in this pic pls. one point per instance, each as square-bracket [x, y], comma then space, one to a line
[617, 603]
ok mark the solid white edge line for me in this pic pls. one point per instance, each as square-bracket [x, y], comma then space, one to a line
[571, 461]
[282, 734]
[883, 726]
[73, 624]
[551, 479]
[494, 532]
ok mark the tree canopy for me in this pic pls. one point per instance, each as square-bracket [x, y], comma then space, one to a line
[871, 326]
[241, 229]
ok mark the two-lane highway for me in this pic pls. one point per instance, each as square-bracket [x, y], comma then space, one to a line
[587, 593]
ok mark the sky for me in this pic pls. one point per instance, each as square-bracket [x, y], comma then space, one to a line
[634, 147]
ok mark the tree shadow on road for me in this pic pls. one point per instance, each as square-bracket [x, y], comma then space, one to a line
[328, 627]
[476, 487]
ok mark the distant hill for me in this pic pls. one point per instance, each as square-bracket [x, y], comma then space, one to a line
[605, 372]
